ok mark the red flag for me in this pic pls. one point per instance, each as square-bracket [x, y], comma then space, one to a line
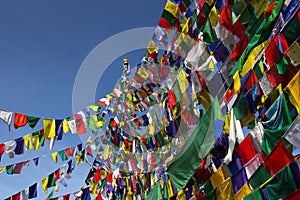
[279, 157]
[20, 120]
[99, 196]
[97, 175]
[293, 196]
[171, 99]
[226, 17]
[68, 152]
[251, 81]
[245, 150]
[16, 196]
[66, 197]
[18, 168]
[80, 125]
[164, 23]
[57, 175]
[239, 48]
[2, 146]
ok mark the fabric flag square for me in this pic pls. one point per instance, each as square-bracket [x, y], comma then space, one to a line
[9, 148]
[293, 91]
[6, 116]
[25, 194]
[27, 141]
[18, 168]
[80, 124]
[245, 150]
[19, 149]
[225, 191]
[2, 147]
[281, 184]
[20, 120]
[292, 135]
[218, 177]
[9, 169]
[66, 197]
[16, 196]
[32, 121]
[49, 128]
[294, 166]
[278, 158]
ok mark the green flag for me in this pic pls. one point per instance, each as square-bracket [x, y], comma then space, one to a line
[9, 169]
[91, 124]
[32, 121]
[51, 180]
[281, 184]
[260, 176]
[155, 193]
[209, 34]
[240, 107]
[282, 65]
[196, 147]
[255, 195]
[63, 155]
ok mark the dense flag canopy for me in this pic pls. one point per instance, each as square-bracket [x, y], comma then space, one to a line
[214, 116]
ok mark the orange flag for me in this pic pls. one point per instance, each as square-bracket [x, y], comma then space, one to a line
[20, 120]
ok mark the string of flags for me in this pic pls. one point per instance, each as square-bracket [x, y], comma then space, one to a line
[206, 119]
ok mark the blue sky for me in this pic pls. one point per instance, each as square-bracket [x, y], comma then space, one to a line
[42, 45]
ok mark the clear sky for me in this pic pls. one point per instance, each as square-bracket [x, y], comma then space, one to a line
[42, 45]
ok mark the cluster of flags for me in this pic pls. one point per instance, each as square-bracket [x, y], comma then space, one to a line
[216, 116]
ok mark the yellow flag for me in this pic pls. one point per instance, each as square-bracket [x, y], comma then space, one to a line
[94, 107]
[185, 28]
[181, 195]
[225, 190]
[54, 156]
[151, 129]
[172, 8]
[94, 187]
[217, 178]
[77, 157]
[183, 83]
[251, 60]
[227, 123]
[143, 73]
[244, 191]
[211, 65]
[236, 82]
[44, 184]
[293, 90]
[36, 142]
[106, 152]
[49, 128]
[56, 188]
[210, 2]
[213, 16]
[152, 47]
[204, 98]
[27, 141]
[170, 188]
[2, 169]
[66, 127]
